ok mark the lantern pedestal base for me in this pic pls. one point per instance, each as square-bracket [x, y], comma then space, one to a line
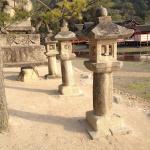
[105, 125]
[28, 74]
[49, 76]
[70, 90]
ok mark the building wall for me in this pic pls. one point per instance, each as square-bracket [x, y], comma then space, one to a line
[142, 37]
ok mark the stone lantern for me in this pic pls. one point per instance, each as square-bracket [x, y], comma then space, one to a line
[65, 37]
[51, 52]
[103, 62]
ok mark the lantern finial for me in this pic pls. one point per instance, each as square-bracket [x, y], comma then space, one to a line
[64, 26]
[101, 12]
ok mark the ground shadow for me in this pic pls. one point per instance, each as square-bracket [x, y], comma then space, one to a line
[49, 92]
[12, 77]
[10, 72]
[72, 124]
[148, 114]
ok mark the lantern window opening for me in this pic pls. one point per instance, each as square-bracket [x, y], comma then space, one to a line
[111, 50]
[51, 46]
[104, 50]
[92, 51]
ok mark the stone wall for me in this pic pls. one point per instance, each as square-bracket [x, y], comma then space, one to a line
[20, 49]
[20, 39]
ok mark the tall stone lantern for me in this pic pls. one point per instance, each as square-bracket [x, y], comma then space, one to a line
[103, 62]
[65, 37]
[51, 52]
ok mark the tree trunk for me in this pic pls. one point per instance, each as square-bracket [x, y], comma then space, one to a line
[3, 103]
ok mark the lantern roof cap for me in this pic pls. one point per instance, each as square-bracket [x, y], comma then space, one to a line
[65, 34]
[50, 38]
[104, 28]
[102, 11]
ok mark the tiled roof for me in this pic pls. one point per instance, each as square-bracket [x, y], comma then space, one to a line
[143, 28]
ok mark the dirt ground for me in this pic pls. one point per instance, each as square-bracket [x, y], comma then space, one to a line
[40, 119]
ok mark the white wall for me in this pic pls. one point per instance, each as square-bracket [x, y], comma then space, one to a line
[142, 37]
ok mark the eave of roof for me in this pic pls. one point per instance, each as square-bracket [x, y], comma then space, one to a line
[105, 29]
[142, 28]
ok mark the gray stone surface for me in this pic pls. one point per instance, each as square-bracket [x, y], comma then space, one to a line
[28, 74]
[117, 99]
[102, 11]
[105, 125]
[65, 34]
[51, 52]
[69, 90]
[105, 29]
[68, 86]
[103, 62]
[20, 49]
[103, 67]
[23, 55]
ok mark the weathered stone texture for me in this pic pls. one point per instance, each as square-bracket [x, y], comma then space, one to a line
[28, 74]
[22, 49]
[104, 125]
[51, 52]
[24, 55]
[19, 39]
[103, 61]
[68, 86]
[102, 93]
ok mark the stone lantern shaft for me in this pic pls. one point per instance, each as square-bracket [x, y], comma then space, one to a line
[102, 93]
[52, 68]
[67, 71]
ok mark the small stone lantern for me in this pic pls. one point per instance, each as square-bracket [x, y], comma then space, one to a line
[103, 62]
[51, 52]
[65, 37]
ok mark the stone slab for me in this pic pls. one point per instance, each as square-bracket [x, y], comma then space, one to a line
[103, 66]
[51, 53]
[24, 54]
[20, 39]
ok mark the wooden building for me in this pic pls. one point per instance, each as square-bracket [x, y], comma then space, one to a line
[141, 33]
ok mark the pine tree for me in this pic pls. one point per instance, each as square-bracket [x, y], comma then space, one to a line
[62, 9]
[6, 19]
